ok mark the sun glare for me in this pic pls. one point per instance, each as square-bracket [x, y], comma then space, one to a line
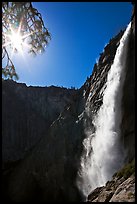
[16, 40]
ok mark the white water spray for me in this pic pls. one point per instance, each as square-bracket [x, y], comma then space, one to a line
[104, 151]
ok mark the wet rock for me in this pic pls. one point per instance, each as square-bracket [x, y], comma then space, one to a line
[117, 190]
[125, 192]
[120, 189]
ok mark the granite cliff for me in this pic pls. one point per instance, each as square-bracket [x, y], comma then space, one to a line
[27, 114]
[44, 128]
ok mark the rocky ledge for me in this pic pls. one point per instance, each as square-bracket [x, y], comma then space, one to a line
[120, 189]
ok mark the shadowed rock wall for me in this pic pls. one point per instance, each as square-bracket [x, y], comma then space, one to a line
[27, 113]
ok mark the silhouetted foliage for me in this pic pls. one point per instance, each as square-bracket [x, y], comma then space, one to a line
[72, 87]
[23, 17]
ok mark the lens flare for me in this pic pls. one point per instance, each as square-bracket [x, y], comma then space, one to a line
[16, 39]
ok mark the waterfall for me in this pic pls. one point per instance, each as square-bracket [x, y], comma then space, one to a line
[104, 151]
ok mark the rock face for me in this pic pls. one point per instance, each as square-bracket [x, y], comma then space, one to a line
[27, 113]
[128, 123]
[120, 189]
[51, 123]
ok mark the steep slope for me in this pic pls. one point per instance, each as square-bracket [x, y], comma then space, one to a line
[27, 113]
[50, 171]
[128, 102]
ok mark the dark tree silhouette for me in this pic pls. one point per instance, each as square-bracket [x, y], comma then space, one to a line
[22, 18]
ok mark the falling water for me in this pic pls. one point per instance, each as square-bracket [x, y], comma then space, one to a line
[104, 152]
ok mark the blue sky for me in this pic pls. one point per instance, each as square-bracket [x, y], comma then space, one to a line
[79, 30]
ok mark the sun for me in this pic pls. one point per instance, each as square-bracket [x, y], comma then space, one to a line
[16, 40]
